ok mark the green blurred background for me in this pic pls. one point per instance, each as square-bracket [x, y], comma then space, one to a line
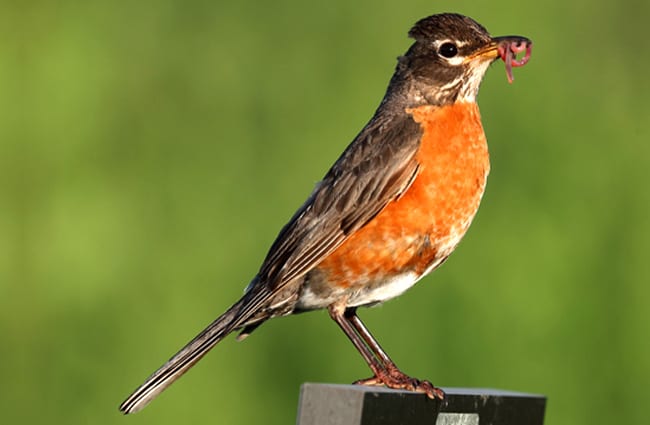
[151, 151]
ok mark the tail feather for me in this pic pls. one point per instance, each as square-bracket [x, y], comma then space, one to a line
[234, 318]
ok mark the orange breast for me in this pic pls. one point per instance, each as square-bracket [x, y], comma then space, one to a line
[419, 230]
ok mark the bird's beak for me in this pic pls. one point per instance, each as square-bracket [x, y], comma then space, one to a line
[499, 46]
[507, 48]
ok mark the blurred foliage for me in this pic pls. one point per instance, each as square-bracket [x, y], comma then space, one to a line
[150, 152]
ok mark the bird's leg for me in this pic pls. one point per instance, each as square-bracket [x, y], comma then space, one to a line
[395, 378]
[338, 314]
[351, 315]
[384, 369]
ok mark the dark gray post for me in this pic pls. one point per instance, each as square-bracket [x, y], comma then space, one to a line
[328, 404]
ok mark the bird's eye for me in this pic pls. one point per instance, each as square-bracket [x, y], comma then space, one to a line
[448, 50]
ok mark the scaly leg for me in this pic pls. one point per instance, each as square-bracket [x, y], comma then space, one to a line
[384, 369]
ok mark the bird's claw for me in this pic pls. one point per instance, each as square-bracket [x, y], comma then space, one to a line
[399, 381]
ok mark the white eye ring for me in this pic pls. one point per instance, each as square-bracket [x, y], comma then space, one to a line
[450, 46]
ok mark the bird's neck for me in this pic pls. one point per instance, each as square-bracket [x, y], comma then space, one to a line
[407, 90]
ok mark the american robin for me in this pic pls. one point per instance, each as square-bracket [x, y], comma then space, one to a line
[390, 210]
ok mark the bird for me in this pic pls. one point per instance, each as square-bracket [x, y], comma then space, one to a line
[390, 210]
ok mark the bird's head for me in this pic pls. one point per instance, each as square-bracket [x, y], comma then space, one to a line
[450, 56]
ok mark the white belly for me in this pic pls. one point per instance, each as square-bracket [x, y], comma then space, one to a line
[392, 288]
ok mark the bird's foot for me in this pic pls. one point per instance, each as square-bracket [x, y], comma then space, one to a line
[398, 380]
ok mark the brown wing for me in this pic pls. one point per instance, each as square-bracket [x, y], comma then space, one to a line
[374, 170]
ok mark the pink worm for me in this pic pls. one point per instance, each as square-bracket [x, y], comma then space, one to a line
[509, 51]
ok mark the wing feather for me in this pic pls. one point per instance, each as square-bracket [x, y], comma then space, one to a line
[374, 170]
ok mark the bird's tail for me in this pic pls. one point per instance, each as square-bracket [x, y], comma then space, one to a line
[234, 318]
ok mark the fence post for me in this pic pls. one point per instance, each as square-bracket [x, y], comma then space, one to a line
[329, 404]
